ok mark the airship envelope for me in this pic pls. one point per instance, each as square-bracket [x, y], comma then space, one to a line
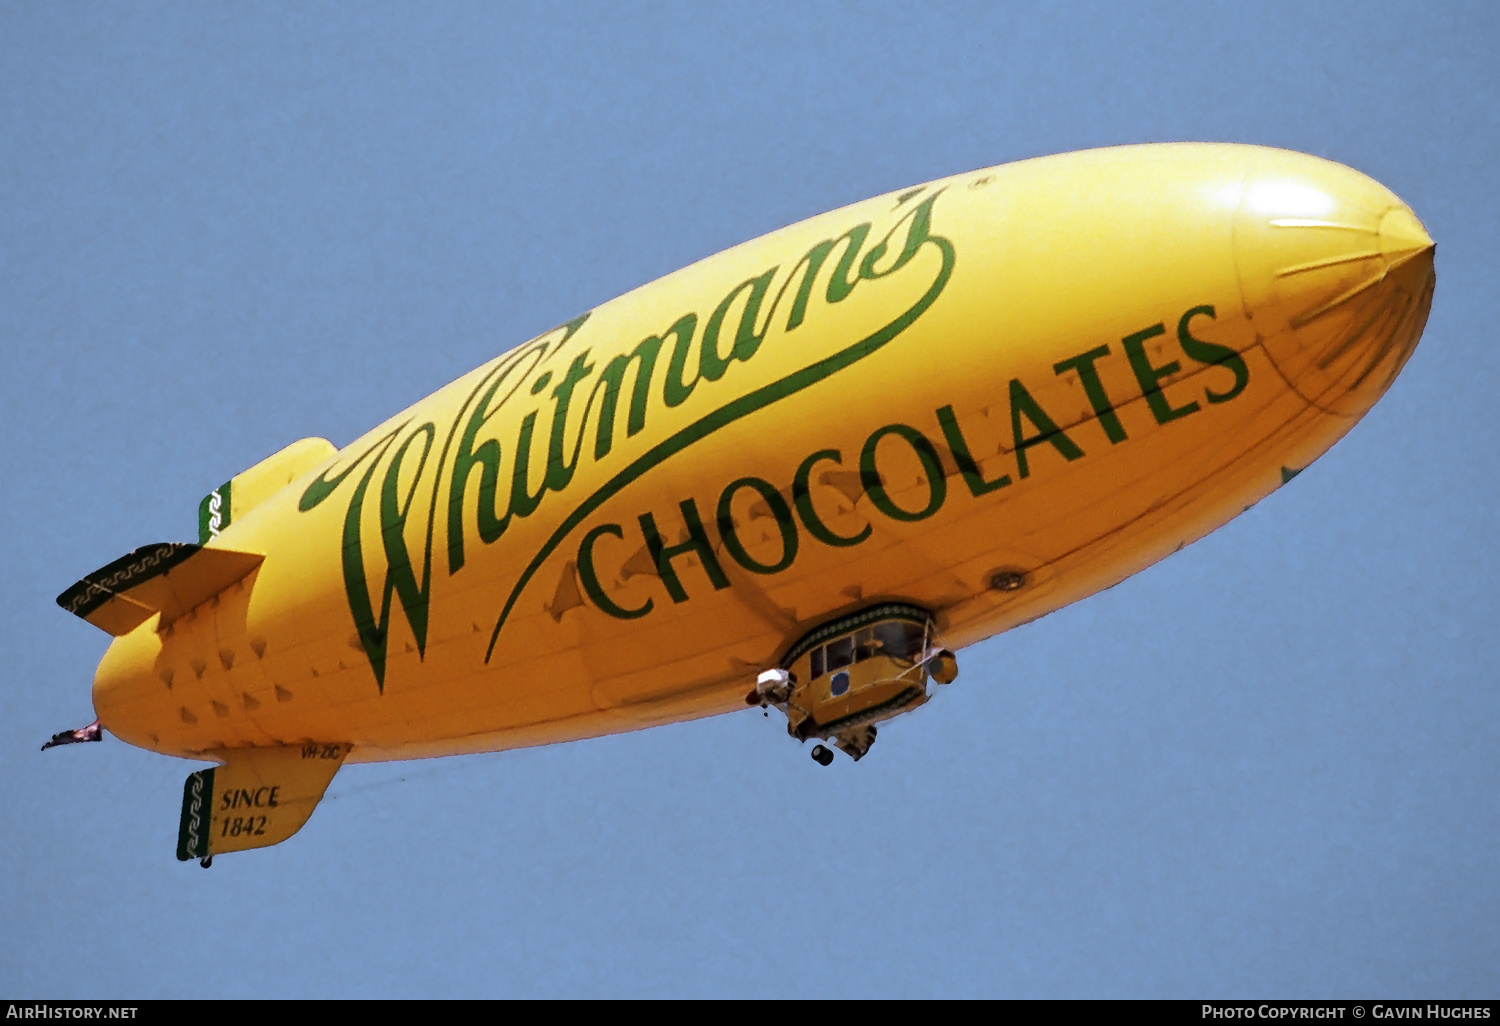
[801, 473]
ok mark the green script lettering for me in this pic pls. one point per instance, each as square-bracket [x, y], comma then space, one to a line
[612, 379]
[486, 456]
[711, 366]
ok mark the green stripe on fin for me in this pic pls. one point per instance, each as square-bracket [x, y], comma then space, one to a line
[213, 513]
[197, 812]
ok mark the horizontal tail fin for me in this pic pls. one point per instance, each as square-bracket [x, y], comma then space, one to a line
[173, 578]
[170, 578]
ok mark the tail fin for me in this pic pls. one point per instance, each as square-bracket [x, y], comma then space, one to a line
[249, 488]
[170, 578]
[173, 578]
[258, 797]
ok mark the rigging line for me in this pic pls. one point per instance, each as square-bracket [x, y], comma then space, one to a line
[389, 781]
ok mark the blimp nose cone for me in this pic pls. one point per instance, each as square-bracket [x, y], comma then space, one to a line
[1336, 272]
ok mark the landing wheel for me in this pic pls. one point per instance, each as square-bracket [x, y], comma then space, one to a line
[206, 862]
[821, 755]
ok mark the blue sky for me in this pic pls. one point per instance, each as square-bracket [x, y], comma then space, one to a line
[1270, 765]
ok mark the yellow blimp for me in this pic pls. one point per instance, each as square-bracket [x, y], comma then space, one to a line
[801, 473]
